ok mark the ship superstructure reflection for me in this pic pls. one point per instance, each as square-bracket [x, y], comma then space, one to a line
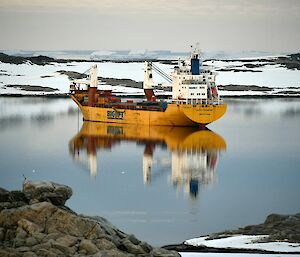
[194, 152]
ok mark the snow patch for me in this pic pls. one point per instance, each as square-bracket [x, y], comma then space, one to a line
[245, 242]
[233, 255]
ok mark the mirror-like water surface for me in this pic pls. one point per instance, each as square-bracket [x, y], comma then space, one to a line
[162, 184]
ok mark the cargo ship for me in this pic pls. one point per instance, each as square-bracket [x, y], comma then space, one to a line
[193, 152]
[195, 99]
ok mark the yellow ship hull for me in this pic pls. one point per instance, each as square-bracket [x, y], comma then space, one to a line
[174, 115]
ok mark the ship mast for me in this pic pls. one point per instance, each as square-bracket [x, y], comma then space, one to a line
[92, 87]
[148, 82]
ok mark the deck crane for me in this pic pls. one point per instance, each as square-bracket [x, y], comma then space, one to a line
[148, 84]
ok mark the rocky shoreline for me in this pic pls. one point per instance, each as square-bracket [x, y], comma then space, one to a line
[278, 228]
[36, 222]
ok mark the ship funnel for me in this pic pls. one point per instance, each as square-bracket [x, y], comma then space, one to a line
[195, 62]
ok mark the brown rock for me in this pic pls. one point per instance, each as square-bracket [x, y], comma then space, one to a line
[29, 226]
[29, 254]
[10, 234]
[2, 234]
[46, 246]
[133, 239]
[147, 248]
[67, 240]
[64, 249]
[19, 242]
[31, 241]
[105, 244]
[3, 195]
[45, 253]
[37, 213]
[88, 246]
[41, 191]
[54, 236]
[21, 233]
[129, 247]
[23, 249]
[4, 253]
[112, 253]
[160, 252]
[74, 225]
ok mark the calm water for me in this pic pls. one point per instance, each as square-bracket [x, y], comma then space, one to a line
[164, 185]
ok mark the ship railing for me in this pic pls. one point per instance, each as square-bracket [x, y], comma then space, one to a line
[200, 82]
[214, 101]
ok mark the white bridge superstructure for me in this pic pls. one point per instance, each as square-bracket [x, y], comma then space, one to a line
[190, 82]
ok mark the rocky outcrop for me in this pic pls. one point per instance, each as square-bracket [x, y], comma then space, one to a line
[44, 191]
[11, 199]
[32, 88]
[278, 227]
[38, 60]
[35, 222]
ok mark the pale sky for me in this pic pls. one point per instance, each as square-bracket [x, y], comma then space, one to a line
[218, 25]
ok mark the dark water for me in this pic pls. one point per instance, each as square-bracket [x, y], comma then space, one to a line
[164, 185]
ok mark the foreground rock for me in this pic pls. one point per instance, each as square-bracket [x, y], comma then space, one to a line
[36, 223]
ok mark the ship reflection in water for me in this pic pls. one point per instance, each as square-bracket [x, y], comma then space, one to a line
[194, 152]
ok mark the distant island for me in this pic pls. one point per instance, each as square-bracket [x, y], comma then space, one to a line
[241, 77]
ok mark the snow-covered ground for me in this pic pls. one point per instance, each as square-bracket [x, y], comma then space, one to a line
[268, 75]
[235, 255]
[273, 76]
[245, 242]
[48, 75]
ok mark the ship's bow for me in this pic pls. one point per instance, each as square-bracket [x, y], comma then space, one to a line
[204, 113]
